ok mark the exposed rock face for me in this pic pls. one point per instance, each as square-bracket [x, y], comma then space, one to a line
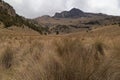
[73, 13]
[7, 8]
[76, 13]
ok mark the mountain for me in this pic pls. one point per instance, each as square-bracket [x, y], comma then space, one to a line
[76, 13]
[73, 13]
[76, 20]
[9, 18]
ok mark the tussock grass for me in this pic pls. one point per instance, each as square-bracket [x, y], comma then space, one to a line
[80, 61]
[36, 58]
[7, 58]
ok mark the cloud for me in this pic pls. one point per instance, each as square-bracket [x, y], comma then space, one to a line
[35, 8]
[104, 6]
[119, 3]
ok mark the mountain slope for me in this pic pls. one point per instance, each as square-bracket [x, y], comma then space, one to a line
[9, 18]
[76, 20]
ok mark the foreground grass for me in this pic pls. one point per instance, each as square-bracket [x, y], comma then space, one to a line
[63, 58]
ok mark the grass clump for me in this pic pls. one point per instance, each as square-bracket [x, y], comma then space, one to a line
[79, 61]
[62, 59]
[7, 58]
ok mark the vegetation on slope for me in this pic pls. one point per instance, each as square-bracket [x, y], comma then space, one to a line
[9, 20]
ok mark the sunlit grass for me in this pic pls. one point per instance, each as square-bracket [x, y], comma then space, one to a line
[59, 58]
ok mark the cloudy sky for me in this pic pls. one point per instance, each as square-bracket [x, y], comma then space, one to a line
[35, 8]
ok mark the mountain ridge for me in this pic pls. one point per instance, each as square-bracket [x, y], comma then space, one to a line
[73, 13]
[76, 13]
[76, 20]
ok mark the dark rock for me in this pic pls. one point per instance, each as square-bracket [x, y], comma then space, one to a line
[73, 13]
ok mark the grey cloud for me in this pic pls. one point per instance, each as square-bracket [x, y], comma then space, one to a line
[35, 8]
[32, 8]
[119, 3]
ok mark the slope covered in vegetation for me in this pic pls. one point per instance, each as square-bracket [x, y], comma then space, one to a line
[9, 18]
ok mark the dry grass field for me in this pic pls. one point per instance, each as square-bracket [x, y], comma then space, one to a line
[93, 55]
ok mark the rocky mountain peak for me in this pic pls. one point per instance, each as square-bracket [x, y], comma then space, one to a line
[75, 10]
[73, 13]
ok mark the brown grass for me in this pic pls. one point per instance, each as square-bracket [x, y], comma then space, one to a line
[59, 58]
[7, 58]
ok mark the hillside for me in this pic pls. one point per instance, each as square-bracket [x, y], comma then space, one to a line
[9, 18]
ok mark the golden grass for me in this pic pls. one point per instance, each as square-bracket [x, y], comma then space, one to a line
[60, 57]
[36, 58]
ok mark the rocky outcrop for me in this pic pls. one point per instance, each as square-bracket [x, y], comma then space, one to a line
[73, 13]
[76, 13]
[4, 7]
